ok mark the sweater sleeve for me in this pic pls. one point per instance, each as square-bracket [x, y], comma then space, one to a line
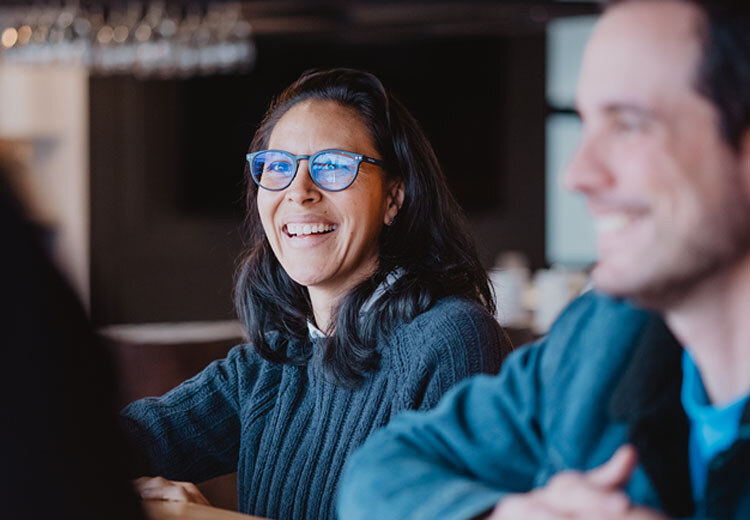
[193, 431]
[452, 462]
[445, 345]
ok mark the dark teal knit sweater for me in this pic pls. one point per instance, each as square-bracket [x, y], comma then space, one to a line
[286, 430]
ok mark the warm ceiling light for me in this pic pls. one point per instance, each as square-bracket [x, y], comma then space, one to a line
[143, 32]
[105, 35]
[9, 37]
[24, 34]
[120, 34]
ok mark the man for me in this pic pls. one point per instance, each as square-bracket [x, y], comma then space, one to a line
[619, 412]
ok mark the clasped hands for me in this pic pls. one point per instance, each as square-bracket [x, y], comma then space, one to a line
[589, 495]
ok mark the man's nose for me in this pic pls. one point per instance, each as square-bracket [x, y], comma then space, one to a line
[587, 171]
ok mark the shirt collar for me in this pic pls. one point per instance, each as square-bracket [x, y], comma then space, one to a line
[391, 278]
[314, 332]
[695, 399]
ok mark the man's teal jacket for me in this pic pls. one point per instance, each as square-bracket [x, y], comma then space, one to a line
[606, 374]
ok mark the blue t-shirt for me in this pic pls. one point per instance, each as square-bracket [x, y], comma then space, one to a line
[712, 428]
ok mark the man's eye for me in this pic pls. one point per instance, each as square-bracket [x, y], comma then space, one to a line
[630, 123]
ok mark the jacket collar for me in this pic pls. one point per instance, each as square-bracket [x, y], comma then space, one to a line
[647, 398]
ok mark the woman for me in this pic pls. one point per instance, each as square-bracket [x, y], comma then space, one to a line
[361, 293]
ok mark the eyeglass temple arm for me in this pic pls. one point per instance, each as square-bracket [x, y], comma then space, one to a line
[370, 160]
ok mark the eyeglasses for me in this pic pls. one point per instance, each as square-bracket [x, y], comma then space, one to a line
[331, 170]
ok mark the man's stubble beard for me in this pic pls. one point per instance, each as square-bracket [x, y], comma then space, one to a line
[720, 243]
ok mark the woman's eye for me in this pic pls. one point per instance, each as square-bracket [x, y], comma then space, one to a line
[278, 167]
[327, 166]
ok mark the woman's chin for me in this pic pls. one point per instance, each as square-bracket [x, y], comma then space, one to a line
[306, 278]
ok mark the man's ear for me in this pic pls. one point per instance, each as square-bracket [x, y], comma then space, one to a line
[394, 200]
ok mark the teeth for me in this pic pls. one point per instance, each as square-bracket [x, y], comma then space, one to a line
[308, 229]
[609, 223]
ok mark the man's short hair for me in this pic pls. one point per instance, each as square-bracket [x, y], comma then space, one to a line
[723, 73]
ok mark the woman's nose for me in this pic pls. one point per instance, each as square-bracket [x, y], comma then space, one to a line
[302, 189]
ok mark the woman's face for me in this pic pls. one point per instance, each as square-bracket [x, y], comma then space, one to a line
[326, 240]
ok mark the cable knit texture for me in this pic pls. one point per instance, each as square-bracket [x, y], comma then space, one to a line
[287, 430]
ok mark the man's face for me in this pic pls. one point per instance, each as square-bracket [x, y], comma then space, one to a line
[670, 197]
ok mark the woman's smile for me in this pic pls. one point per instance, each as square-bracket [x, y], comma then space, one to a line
[297, 230]
[301, 235]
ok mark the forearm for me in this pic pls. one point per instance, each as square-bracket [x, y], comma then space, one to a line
[178, 444]
[451, 462]
[192, 432]
[393, 478]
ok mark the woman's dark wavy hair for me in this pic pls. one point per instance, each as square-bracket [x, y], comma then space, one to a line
[429, 240]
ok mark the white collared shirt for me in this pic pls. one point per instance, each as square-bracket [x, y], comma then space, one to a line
[390, 279]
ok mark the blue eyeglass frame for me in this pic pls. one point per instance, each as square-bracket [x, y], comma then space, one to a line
[358, 157]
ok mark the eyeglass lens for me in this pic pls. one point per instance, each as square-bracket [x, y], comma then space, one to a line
[331, 170]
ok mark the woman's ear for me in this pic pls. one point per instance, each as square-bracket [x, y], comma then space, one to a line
[744, 156]
[394, 200]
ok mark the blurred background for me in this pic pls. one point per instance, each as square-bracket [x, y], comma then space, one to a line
[127, 122]
[125, 125]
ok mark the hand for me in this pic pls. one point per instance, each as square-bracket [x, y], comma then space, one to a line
[642, 513]
[158, 488]
[572, 494]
